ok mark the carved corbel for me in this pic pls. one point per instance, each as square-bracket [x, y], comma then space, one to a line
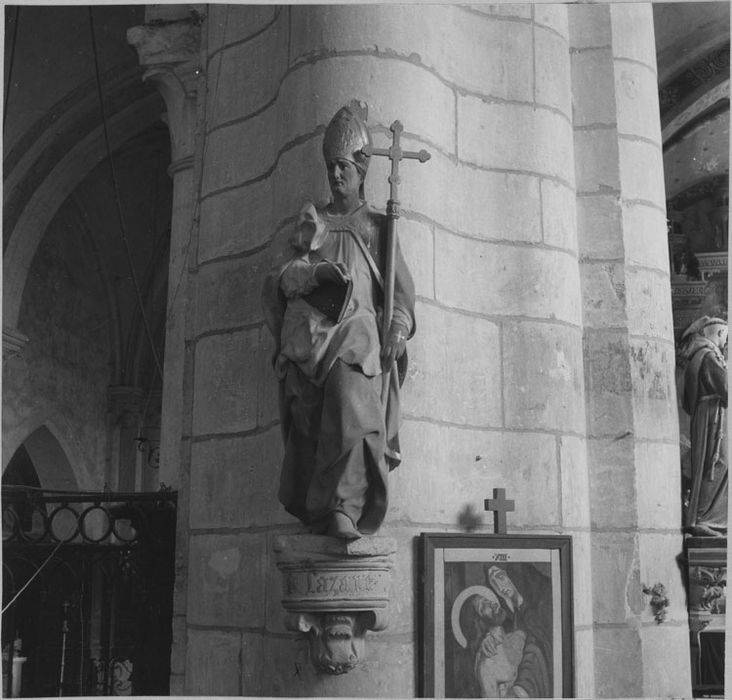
[334, 592]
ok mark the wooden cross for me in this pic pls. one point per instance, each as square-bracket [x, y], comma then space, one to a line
[394, 153]
[500, 506]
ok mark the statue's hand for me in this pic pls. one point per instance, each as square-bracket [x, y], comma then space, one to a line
[328, 272]
[395, 345]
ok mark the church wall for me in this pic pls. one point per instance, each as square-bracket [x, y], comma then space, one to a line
[64, 314]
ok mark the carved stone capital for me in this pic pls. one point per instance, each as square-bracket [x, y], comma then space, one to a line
[335, 591]
[170, 50]
[13, 342]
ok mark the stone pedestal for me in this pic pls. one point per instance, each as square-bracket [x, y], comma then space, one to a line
[705, 561]
[335, 591]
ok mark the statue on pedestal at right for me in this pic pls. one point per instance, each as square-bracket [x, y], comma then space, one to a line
[704, 398]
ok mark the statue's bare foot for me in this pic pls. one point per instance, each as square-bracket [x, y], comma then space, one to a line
[342, 526]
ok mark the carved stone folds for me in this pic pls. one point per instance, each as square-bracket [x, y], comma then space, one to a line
[335, 591]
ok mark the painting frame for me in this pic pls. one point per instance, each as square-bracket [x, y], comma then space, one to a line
[448, 562]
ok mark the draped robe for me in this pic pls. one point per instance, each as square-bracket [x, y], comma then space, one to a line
[340, 442]
[705, 400]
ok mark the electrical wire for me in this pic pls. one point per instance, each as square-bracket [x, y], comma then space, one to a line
[117, 201]
[30, 580]
[10, 63]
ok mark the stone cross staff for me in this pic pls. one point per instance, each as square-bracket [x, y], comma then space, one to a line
[394, 153]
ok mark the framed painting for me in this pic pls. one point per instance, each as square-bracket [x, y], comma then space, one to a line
[496, 616]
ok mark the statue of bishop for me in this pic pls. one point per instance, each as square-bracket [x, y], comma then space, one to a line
[323, 307]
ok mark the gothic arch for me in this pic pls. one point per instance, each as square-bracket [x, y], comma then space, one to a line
[61, 180]
[50, 460]
[50, 431]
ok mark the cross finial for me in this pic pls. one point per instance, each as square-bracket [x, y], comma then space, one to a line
[500, 506]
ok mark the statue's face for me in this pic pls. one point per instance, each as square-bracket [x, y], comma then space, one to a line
[717, 334]
[343, 177]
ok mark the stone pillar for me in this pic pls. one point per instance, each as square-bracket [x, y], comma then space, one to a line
[629, 353]
[495, 391]
[170, 48]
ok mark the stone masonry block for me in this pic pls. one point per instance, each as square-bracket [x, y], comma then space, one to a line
[581, 576]
[597, 154]
[517, 11]
[226, 382]
[553, 78]
[589, 26]
[445, 469]
[637, 101]
[661, 676]
[226, 580]
[231, 23]
[543, 377]
[453, 374]
[584, 663]
[416, 240]
[482, 204]
[658, 553]
[234, 482]
[213, 666]
[480, 54]
[645, 238]
[574, 470]
[256, 67]
[613, 498]
[649, 303]
[594, 88]
[654, 389]
[253, 682]
[229, 293]
[498, 279]
[600, 226]
[632, 32]
[658, 477]
[616, 583]
[641, 171]
[609, 383]
[558, 215]
[177, 685]
[515, 137]
[236, 220]
[179, 643]
[258, 137]
[618, 648]
[553, 16]
[604, 297]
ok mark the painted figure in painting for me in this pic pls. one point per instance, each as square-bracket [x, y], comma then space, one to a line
[323, 308]
[507, 634]
[704, 398]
